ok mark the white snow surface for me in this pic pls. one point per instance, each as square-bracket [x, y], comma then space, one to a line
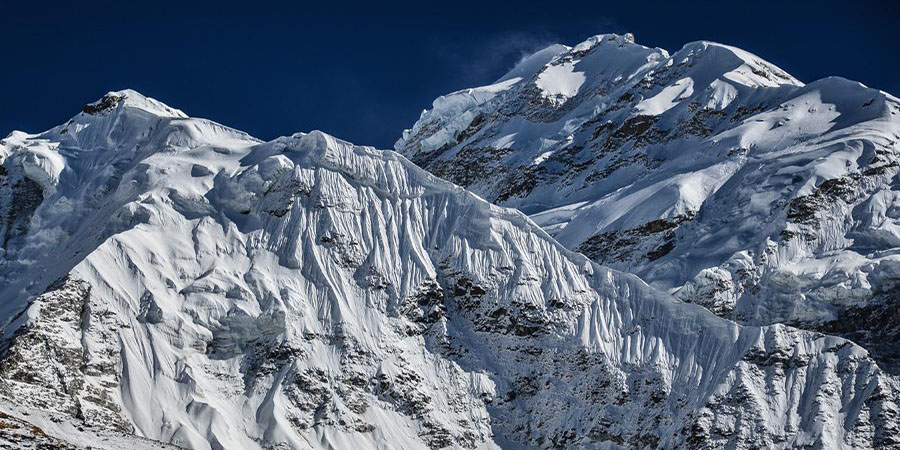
[183, 281]
[560, 82]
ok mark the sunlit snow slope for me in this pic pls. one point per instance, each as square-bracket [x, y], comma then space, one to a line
[708, 172]
[179, 280]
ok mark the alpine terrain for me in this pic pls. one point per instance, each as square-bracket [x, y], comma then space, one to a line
[167, 281]
[710, 173]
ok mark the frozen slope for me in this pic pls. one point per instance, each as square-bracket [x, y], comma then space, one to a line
[708, 172]
[182, 281]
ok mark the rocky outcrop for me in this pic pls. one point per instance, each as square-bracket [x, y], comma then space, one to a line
[46, 365]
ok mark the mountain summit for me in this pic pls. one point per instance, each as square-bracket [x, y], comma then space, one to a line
[710, 173]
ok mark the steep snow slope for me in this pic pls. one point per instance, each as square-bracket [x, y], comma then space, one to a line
[182, 281]
[710, 173]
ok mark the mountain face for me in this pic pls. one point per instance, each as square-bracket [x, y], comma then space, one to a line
[710, 173]
[174, 279]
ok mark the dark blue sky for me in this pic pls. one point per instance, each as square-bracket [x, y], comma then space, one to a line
[363, 72]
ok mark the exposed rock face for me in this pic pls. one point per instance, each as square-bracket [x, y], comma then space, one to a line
[16, 433]
[106, 103]
[29, 429]
[874, 326]
[657, 237]
[64, 357]
[709, 172]
[20, 197]
[308, 293]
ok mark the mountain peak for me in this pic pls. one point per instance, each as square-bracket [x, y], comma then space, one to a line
[693, 171]
[593, 41]
[732, 63]
[129, 98]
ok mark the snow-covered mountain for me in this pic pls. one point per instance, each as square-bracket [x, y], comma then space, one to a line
[709, 172]
[179, 280]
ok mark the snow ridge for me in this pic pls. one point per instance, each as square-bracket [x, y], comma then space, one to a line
[179, 280]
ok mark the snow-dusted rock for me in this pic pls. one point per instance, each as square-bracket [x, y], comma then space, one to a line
[24, 428]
